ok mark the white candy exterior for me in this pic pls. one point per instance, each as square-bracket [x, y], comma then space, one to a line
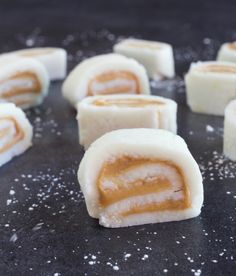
[11, 65]
[94, 121]
[75, 86]
[150, 143]
[209, 92]
[158, 62]
[226, 53]
[230, 131]
[54, 59]
[10, 110]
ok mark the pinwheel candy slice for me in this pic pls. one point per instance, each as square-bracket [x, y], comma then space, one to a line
[23, 81]
[210, 86]
[15, 132]
[157, 57]
[137, 176]
[100, 114]
[105, 74]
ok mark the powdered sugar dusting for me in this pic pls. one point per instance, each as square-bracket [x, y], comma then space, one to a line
[215, 165]
[172, 85]
[43, 214]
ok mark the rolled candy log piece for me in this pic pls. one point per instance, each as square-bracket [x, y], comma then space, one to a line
[15, 132]
[210, 86]
[101, 114]
[23, 81]
[54, 59]
[227, 52]
[157, 57]
[138, 176]
[105, 74]
[230, 131]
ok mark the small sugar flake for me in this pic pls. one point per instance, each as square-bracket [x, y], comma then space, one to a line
[14, 238]
[209, 128]
[116, 267]
[12, 192]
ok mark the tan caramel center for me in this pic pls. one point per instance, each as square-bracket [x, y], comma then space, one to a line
[232, 46]
[112, 76]
[33, 87]
[111, 170]
[164, 206]
[127, 102]
[35, 52]
[19, 134]
[217, 69]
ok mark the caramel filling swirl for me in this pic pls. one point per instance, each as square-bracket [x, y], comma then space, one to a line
[114, 82]
[142, 185]
[232, 46]
[217, 68]
[10, 133]
[35, 52]
[128, 102]
[23, 84]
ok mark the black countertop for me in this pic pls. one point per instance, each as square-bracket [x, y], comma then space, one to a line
[44, 225]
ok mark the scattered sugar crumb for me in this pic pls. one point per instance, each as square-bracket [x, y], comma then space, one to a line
[209, 128]
[145, 257]
[196, 272]
[14, 238]
[127, 255]
[219, 167]
[91, 262]
[12, 192]
[115, 267]
[214, 261]
[9, 201]
[170, 85]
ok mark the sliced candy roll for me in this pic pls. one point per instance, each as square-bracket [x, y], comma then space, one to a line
[105, 74]
[15, 132]
[54, 59]
[100, 114]
[157, 57]
[137, 176]
[23, 81]
[227, 52]
[230, 131]
[210, 86]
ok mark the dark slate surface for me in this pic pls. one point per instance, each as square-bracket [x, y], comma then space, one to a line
[44, 225]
